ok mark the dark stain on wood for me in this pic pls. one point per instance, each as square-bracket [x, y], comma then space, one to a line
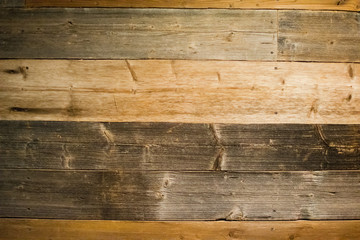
[71, 111]
[351, 71]
[20, 70]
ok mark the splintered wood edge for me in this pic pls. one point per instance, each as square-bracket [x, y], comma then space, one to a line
[31, 229]
[351, 5]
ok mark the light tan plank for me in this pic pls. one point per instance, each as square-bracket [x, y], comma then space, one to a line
[36, 229]
[319, 36]
[349, 5]
[180, 91]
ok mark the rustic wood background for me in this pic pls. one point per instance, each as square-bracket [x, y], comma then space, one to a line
[191, 119]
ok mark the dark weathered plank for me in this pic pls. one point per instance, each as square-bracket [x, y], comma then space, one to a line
[348, 5]
[173, 146]
[319, 36]
[12, 3]
[180, 91]
[138, 33]
[138, 195]
[41, 229]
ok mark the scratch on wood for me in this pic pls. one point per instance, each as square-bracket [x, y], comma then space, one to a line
[71, 109]
[314, 107]
[218, 76]
[351, 71]
[220, 155]
[23, 71]
[132, 72]
[116, 106]
[218, 160]
[65, 157]
[147, 153]
[320, 133]
[173, 69]
[109, 138]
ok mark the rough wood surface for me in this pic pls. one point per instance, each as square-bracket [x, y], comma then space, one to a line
[30, 229]
[157, 195]
[12, 3]
[319, 36]
[349, 5]
[180, 91]
[222, 34]
[175, 147]
[138, 34]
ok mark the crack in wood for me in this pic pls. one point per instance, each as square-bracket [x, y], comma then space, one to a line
[320, 134]
[219, 159]
[351, 71]
[65, 157]
[132, 72]
[109, 139]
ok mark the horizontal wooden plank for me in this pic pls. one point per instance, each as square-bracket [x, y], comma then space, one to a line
[37, 229]
[350, 5]
[174, 146]
[319, 36]
[221, 34]
[12, 3]
[180, 91]
[138, 34]
[139, 195]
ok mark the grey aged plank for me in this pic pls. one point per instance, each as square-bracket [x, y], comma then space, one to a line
[142, 195]
[319, 36]
[138, 34]
[174, 146]
[12, 3]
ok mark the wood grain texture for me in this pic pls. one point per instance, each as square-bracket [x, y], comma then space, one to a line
[319, 36]
[177, 147]
[31, 229]
[12, 3]
[138, 34]
[157, 195]
[180, 91]
[349, 5]
[220, 34]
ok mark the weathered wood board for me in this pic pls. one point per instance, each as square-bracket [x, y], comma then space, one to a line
[29, 229]
[180, 91]
[319, 36]
[157, 195]
[12, 3]
[221, 34]
[349, 5]
[138, 34]
[177, 147]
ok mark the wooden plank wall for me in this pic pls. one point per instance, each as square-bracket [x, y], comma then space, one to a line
[179, 119]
